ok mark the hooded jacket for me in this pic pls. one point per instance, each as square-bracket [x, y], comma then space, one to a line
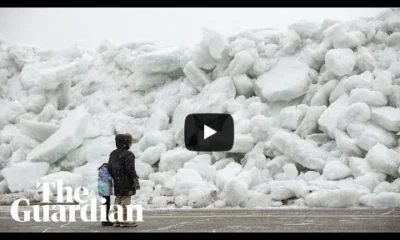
[121, 166]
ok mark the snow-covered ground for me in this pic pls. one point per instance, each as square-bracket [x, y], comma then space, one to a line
[316, 113]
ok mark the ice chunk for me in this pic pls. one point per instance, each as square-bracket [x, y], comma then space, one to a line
[34, 103]
[282, 190]
[338, 198]
[261, 66]
[241, 63]
[234, 192]
[160, 202]
[143, 169]
[208, 172]
[394, 97]
[369, 180]
[154, 138]
[368, 134]
[153, 154]
[311, 175]
[275, 166]
[321, 95]
[201, 196]
[161, 177]
[363, 80]
[280, 85]
[291, 117]
[257, 200]
[387, 117]
[371, 98]
[393, 23]
[357, 112]
[244, 85]
[381, 200]
[201, 56]
[255, 158]
[289, 172]
[366, 62]
[263, 188]
[335, 170]
[217, 44]
[39, 131]
[309, 124]
[22, 175]
[223, 163]
[382, 82]
[394, 39]
[140, 81]
[340, 61]
[240, 44]
[175, 159]
[227, 173]
[160, 61]
[158, 121]
[74, 180]
[308, 56]
[8, 133]
[384, 160]
[305, 28]
[181, 200]
[68, 137]
[242, 143]
[395, 68]
[349, 40]
[359, 166]
[196, 76]
[328, 119]
[3, 187]
[290, 42]
[300, 150]
[383, 187]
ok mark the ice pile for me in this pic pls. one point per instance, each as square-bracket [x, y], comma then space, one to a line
[315, 108]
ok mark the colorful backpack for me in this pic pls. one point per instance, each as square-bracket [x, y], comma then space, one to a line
[104, 181]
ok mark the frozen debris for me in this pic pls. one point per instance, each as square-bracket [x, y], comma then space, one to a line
[153, 138]
[328, 119]
[158, 121]
[384, 160]
[337, 198]
[290, 172]
[21, 176]
[368, 134]
[305, 28]
[393, 23]
[74, 180]
[347, 145]
[244, 85]
[202, 196]
[371, 98]
[340, 61]
[241, 63]
[383, 187]
[369, 180]
[242, 143]
[140, 81]
[382, 82]
[143, 169]
[207, 172]
[363, 80]
[321, 96]
[261, 66]
[34, 103]
[220, 164]
[387, 117]
[365, 61]
[381, 200]
[71, 131]
[280, 85]
[290, 42]
[239, 45]
[394, 39]
[349, 40]
[216, 43]
[335, 170]
[234, 192]
[395, 68]
[282, 190]
[228, 172]
[357, 112]
[309, 124]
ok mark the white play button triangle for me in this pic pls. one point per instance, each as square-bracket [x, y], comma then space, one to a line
[208, 132]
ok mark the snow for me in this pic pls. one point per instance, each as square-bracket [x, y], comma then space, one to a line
[349, 40]
[208, 172]
[201, 196]
[140, 81]
[72, 131]
[160, 61]
[143, 169]
[197, 77]
[337, 198]
[292, 116]
[369, 180]
[241, 63]
[227, 173]
[244, 85]
[234, 192]
[381, 200]
[21, 175]
[384, 160]
[371, 98]
[387, 117]
[340, 61]
[160, 202]
[365, 61]
[347, 145]
[153, 154]
[394, 39]
[335, 170]
[363, 80]
[383, 187]
[282, 190]
[280, 85]
[305, 28]
[359, 166]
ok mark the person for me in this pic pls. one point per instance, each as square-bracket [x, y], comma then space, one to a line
[105, 189]
[121, 166]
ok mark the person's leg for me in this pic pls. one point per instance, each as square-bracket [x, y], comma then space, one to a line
[116, 203]
[107, 204]
[125, 202]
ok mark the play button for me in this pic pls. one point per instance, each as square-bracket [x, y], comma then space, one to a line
[209, 132]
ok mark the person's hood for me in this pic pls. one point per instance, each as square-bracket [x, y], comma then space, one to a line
[122, 141]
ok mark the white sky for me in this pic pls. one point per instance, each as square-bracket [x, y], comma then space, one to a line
[59, 27]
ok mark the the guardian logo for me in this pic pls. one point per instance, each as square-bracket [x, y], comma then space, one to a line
[66, 213]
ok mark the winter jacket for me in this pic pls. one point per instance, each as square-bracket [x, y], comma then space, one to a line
[104, 181]
[121, 166]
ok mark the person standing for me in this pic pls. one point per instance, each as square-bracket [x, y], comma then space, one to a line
[121, 166]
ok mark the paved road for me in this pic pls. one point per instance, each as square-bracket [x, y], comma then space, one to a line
[234, 220]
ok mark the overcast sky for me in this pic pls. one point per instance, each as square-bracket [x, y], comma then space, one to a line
[58, 27]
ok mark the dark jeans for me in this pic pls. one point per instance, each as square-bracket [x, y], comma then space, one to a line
[107, 203]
